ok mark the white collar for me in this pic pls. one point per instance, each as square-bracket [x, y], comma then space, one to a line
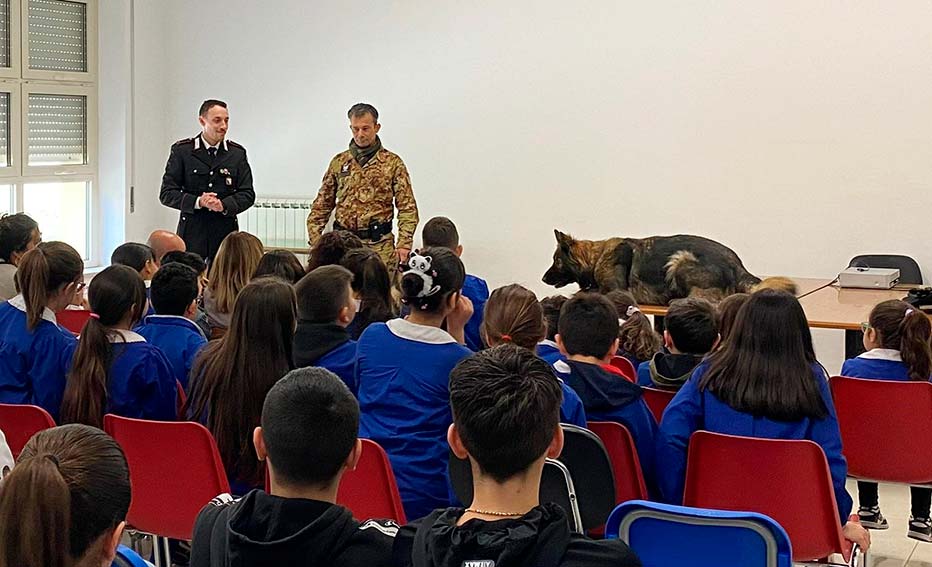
[19, 302]
[405, 329]
[890, 354]
[547, 342]
[120, 335]
[562, 367]
[200, 139]
[185, 319]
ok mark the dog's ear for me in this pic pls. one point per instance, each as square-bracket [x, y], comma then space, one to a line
[563, 240]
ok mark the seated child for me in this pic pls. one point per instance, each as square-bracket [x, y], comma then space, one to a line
[765, 382]
[589, 338]
[194, 261]
[403, 373]
[325, 309]
[637, 340]
[897, 342]
[65, 502]
[440, 231]
[513, 315]
[308, 438]
[35, 353]
[506, 422]
[140, 258]
[114, 369]
[728, 313]
[280, 263]
[175, 289]
[331, 248]
[689, 334]
[372, 289]
[547, 348]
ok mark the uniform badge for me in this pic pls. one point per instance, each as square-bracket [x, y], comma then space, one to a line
[229, 181]
[225, 171]
[345, 168]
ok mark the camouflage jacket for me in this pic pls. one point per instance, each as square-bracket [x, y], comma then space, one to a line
[361, 194]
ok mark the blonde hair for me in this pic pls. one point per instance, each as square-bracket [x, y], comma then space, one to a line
[236, 261]
[779, 283]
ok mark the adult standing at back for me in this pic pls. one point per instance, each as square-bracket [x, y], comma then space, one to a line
[208, 179]
[363, 186]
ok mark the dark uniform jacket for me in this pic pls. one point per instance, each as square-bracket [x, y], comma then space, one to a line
[191, 172]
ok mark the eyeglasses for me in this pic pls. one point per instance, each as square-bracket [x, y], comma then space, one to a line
[865, 327]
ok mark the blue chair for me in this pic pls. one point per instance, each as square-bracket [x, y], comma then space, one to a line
[663, 535]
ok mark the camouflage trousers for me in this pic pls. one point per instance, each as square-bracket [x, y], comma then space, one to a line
[385, 248]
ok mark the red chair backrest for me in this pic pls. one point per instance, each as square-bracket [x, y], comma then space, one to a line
[622, 453]
[73, 319]
[175, 469]
[786, 480]
[878, 448]
[657, 400]
[626, 368]
[19, 422]
[370, 491]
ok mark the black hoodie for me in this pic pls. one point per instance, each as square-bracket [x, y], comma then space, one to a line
[540, 538]
[314, 340]
[671, 371]
[260, 529]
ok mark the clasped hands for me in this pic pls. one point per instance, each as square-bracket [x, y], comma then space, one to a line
[210, 201]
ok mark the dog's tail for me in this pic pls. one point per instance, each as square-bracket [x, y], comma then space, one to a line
[678, 268]
[747, 282]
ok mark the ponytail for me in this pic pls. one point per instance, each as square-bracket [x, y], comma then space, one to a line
[85, 396]
[35, 516]
[372, 284]
[70, 487]
[637, 336]
[915, 332]
[113, 293]
[42, 272]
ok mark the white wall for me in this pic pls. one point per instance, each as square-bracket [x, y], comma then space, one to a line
[796, 132]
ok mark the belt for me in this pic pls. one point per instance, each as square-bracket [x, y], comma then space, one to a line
[373, 233]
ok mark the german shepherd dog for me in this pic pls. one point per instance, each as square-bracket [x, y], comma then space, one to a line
[655, 269]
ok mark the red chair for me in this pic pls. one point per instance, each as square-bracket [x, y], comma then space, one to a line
[786, 480]
[175, 469]
[626, 466]
[19, 422]
[370, 491]
[657, 400]
[626, 368]
[877, 449]
[73, 319]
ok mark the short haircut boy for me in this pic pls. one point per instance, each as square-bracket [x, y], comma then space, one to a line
[588, 325]
[310, 422]
[192, 260]
[551, 306]
[173, 289]
[506, 407]
[691, 323]
[133, 254]
[440, 232]
[322, 293]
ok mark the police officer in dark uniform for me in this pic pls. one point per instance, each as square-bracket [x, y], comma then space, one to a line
[209, 180]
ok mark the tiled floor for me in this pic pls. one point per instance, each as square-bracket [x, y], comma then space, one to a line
[891, 547]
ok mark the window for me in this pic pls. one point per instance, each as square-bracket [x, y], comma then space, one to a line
[48, 116]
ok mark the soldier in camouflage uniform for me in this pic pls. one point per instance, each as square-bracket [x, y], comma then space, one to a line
[364, 185]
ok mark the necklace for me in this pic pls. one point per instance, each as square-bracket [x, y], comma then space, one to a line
[490, 513]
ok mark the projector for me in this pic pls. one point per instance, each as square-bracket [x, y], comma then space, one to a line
[869, 278]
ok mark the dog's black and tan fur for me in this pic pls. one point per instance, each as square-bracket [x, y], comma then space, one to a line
[655, 269]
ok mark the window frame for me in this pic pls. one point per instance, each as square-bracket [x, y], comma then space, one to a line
[90, 34]
[14, 71]
[14, 88]
[90, 181]
[90, 94]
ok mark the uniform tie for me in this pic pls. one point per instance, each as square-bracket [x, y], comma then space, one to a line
[212, 152]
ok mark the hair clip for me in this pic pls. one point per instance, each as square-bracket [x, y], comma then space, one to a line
[94, 316]
[909, 311]
[632, 309]
[506, 338]
[420, 265]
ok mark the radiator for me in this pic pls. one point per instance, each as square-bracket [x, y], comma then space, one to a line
[279, 222]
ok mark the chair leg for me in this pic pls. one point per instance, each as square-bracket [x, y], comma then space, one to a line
[166, 548]
[160, 555]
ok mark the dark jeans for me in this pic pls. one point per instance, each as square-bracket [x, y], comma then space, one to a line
[921, 498]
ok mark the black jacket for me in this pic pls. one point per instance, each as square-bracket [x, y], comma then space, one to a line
[260, 529]
[191, 172]
[540, 538]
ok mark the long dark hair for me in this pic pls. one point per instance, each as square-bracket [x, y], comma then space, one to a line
[15, 235]
[908, 330]
[282, 264]
[70, 486]
[372, 284]
[42, 272]
[765, 368]
[232, 375]
[112, 294]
